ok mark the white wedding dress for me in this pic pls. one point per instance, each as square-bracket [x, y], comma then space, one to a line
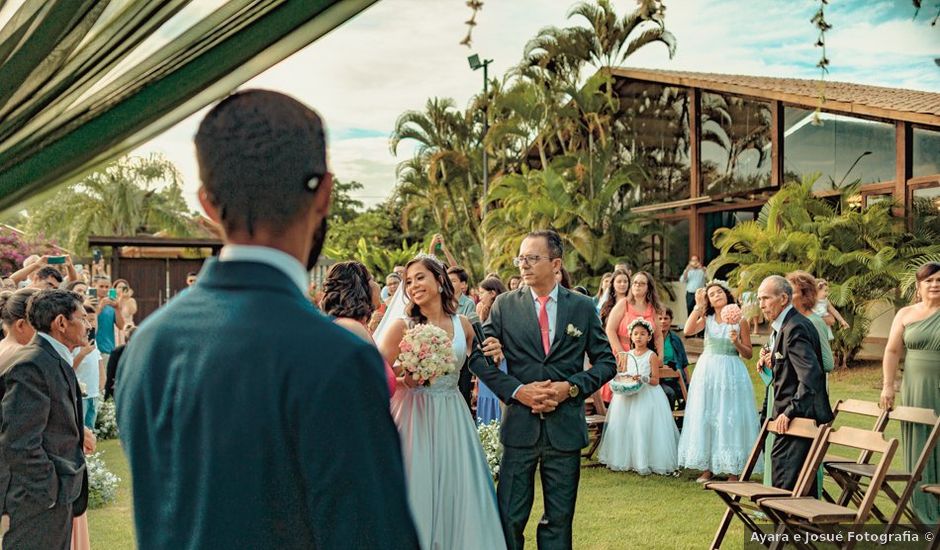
[640, 433]
[721, 423]
[450, 488]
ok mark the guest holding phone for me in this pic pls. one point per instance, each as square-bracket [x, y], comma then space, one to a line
[109, 316]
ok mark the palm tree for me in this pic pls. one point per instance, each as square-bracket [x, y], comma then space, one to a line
[864, 254]
[129, 196]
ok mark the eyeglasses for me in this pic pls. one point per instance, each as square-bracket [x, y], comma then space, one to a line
[529, 259]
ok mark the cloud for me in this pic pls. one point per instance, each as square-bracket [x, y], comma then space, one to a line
[398, 53]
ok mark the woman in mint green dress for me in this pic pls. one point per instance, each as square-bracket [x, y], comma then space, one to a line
[917, 329]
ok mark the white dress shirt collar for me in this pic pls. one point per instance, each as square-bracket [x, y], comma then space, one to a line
[273, 257]
[778, 322]
[553, 294]
[61, 348]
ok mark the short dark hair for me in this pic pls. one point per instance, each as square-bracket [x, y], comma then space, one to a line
[346, 291]
[47, 272]
[493, 284]
[260, 153]
[461, 274]
[667, 311]
[13, 305]
[555, 247]
[191, 274]
[45, 306]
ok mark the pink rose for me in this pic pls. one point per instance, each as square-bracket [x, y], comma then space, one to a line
[731, 314]
[405, 346]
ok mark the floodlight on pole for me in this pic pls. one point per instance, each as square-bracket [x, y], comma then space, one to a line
[475, 63]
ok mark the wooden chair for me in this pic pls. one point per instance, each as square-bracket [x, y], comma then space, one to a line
[666, 373]
[853, 477]
[595, 422]
[855, 407]
[935, 491]
[801, 513]
[741, 497]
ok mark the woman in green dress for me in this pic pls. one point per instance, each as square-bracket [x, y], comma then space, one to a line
[917, 329]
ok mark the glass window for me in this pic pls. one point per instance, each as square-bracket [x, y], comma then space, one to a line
[670, 251]
[875, 199]
[735, 144]
[926, 152]
[841, 149]
[654, 124]
[925, 206]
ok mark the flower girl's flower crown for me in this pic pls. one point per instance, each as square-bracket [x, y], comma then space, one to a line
[642, 323]
[719, 282]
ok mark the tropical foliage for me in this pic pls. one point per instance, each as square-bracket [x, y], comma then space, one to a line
[541, 109]
[865, 255]
[127, 197]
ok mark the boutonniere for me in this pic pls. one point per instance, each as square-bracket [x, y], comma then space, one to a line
[778, 356]
[573, 331]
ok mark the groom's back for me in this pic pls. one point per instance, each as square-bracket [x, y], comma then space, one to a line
[251, 421]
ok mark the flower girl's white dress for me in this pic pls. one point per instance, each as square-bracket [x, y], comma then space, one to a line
[450, 488]
[640, 433]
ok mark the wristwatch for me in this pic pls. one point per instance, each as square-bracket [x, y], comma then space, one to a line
[573, 391]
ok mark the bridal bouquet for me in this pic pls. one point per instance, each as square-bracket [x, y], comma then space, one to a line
[426, 353]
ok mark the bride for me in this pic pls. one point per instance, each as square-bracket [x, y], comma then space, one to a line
[450, 487]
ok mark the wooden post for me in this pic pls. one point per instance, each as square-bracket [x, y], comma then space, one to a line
[776, 144]
[903, 142]
[695, 143]
[696, 221]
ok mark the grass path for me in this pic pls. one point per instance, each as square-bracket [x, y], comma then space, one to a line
[615, 510]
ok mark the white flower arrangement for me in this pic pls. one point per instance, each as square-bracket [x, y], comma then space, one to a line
[106, 423]
[492, 448]
[426, 353]
[573, 331]
[102, 483]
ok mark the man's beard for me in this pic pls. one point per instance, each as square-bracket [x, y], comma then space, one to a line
[319, 238]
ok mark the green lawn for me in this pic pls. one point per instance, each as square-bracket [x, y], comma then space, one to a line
[615, 510]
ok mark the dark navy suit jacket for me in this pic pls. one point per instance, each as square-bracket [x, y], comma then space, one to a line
[252, 421]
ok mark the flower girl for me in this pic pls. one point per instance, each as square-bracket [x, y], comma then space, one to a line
[640, 434]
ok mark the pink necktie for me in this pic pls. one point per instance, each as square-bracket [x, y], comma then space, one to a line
[543, 323]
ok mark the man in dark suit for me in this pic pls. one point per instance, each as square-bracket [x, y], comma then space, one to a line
[43, 480]
[249, 419]
[545, 331]
[799, 382]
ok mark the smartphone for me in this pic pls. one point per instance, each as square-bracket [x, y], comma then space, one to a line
[56, 259]
[112, 294]
[93, 292]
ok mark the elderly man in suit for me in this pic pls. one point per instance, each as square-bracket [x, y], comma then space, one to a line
[545, 331]
[43, 480]
[795, 358]
[233, 400]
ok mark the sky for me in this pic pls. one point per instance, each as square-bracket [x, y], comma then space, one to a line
[397, 54]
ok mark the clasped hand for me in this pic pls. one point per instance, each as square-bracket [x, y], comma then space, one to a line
[543, 397]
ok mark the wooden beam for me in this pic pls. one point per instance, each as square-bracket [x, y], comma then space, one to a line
[776, 144]
[695, 143]
[768, 92]
[697, 234]
[903, 142]
[154, 242]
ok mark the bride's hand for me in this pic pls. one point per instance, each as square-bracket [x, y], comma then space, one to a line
[408, 380]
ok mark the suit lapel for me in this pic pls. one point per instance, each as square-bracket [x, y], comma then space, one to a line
[67, 371]
[561, 318]
[530, 320]
[779, 341]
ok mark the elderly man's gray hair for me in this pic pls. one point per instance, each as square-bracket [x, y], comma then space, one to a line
[781, 286]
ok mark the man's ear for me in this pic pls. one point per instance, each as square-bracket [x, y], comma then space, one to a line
[321, 197]
[211, 211]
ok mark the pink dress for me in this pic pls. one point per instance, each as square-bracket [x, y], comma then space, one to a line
[623, 336]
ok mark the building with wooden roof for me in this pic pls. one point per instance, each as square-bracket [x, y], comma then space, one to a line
[718, 146]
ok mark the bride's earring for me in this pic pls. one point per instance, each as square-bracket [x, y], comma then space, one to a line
[440, 290]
